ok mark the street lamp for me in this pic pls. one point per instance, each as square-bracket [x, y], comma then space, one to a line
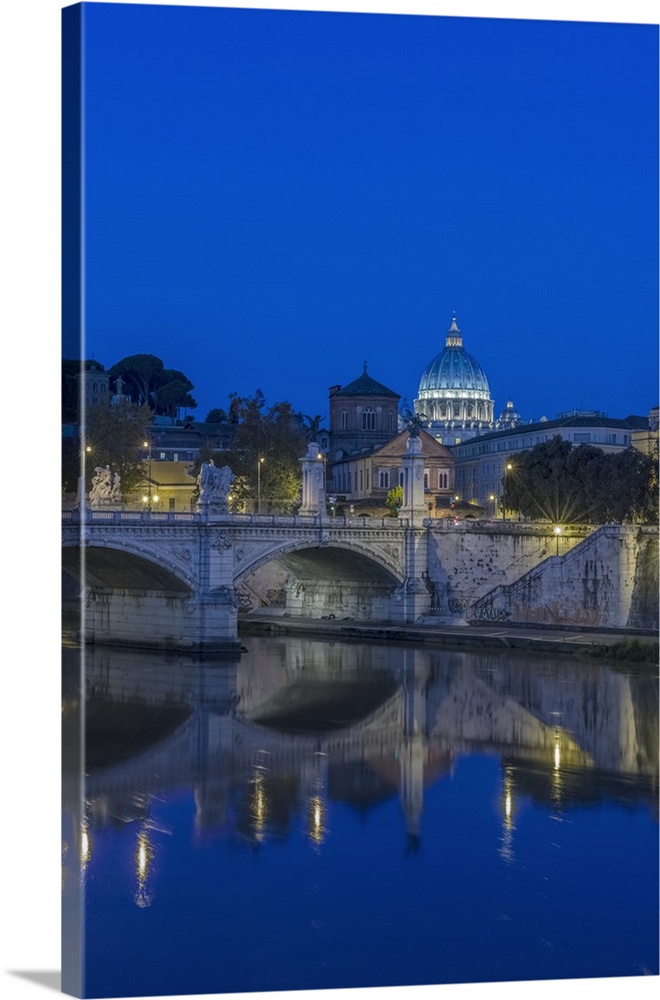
[557, 534]
[507, 468]
[260, 461]
[82, 475]
[493, 500]
[149, 499]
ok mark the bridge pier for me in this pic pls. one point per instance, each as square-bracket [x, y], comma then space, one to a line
[201, 623]
[413, 597]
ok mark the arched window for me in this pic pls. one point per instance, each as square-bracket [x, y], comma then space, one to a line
[368, 420]
[343, 420]
[384, 479]
[390, 421]
[426, 479]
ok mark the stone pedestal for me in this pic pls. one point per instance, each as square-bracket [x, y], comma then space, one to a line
[313, 487]
[413, 507]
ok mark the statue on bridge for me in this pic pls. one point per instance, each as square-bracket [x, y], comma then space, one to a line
[214, 486]
[106, 487]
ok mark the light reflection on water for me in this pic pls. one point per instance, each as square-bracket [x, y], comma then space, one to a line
[315, 796]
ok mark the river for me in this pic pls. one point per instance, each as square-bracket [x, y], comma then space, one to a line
[336, 814]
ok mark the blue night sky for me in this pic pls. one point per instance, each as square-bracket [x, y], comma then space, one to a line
[274, 196]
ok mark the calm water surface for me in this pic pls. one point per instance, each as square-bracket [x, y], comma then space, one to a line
[333, 815]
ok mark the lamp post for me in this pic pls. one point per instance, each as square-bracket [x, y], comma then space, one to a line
[557, 534]
[507, 468]
[260, 460]
[493, 500]
[149, 499]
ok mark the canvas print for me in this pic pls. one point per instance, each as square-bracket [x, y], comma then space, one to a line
[359, 500]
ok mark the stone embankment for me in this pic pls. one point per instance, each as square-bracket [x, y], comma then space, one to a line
[505, 636]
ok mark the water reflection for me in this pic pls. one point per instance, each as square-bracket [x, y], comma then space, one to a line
[144, 853]
[265, 748]
[297, 722]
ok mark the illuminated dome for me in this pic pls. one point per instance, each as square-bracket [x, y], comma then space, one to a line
[509, 417]
[453, 368]
[453, 393]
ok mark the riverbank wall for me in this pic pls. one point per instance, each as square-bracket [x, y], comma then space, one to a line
[567, 641]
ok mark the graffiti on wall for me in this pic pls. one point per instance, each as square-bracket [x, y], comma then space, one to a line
[462, 607]
[550, 613]
[556, 613]
[458, 605]
[490, 615]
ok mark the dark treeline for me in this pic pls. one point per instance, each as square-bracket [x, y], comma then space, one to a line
[559, 482]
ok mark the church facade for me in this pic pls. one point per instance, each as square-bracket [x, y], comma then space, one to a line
[367, 447]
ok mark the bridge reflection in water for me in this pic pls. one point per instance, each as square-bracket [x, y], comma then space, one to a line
[286, 744]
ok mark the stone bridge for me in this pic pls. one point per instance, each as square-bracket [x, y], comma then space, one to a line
[177, 580]
[174, 579]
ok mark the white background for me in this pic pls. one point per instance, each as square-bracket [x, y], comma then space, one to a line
[29, 408]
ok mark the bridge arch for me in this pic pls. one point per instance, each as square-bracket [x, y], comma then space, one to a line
[349, 561]
[332, 579]
[124, 567]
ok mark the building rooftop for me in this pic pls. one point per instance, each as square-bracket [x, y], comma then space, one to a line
[365, 385]
[632, 423]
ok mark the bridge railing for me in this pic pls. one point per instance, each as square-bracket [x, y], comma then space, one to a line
[128, 516]
[94, 516]
[316, 521]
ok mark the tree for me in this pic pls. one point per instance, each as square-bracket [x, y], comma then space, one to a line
[173, 393]
[216, 416]
[273, 434]
[394, 500]
[115, 436]
[142, 372]
[629, 491]
[558, 482]
[164, 390]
